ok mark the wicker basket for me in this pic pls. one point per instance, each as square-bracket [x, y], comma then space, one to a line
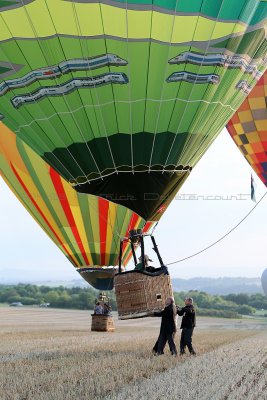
[139, 294]
[102, 323]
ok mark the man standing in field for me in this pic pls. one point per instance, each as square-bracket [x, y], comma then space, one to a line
[188, 324]
[168, 328]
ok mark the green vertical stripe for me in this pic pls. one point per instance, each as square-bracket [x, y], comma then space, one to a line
[29, 163]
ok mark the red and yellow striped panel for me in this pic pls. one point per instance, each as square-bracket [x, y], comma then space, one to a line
[87, 229]
[248, 128]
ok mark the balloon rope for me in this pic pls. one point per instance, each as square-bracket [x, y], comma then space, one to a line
[221, 238]
[188, 156]
[191, 93]
[46, 58]
[216, 127]
[166, 72]
[112, 89]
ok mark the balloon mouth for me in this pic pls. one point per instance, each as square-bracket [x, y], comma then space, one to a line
[147, 192]
[98, 269]
[82, 180]
[100, 278]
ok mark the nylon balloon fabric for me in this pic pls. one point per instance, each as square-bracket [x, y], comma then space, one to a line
[248, 129]
[122, 98]
[87, 229]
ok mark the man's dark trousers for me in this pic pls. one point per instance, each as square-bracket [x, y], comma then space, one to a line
[186, 340]
[163, 338]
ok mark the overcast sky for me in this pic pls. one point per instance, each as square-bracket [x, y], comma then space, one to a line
[213, 200]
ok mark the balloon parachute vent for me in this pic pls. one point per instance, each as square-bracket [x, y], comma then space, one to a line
[140, 294]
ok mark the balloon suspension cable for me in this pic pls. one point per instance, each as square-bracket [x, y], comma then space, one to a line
[134, 254]
[221, 238]
[142, 249]
[154, 227]
[155, 248]
[120, 256]
[162, 265]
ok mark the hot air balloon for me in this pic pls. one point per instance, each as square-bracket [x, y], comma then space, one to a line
[87, 229]
[122, 98]
[248, 128]
[264, 281]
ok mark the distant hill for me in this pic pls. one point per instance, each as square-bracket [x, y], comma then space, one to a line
[51, 283]
[220, 286]
[81, 283]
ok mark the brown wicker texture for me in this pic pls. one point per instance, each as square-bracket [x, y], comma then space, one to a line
[139, 295]
[102, 323]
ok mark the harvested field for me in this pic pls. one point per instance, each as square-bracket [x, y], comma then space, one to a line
[234, 371]
[52, 354]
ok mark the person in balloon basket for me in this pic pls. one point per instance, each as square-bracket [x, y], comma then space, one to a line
[187, 325]
[140, 267]
[98, 310]
[148, 268]
[168, 328]
[107, 309]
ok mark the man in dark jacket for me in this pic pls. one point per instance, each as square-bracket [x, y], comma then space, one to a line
[188, 324]
[167, 328]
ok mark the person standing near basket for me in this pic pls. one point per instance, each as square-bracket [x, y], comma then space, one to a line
[168, 328]
[188, 324]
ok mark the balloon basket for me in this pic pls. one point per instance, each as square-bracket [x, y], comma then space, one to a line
[139, 294]
[102, 323]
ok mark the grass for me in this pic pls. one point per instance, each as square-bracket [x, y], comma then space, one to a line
[234, 371]
[52, 354]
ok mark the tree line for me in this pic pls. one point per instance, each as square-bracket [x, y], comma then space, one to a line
[228, 306]
[231, 305]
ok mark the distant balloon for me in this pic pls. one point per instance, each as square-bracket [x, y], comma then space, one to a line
[248, 129]
[264, 281]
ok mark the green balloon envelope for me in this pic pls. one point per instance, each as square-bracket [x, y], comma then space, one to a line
[122, 98]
